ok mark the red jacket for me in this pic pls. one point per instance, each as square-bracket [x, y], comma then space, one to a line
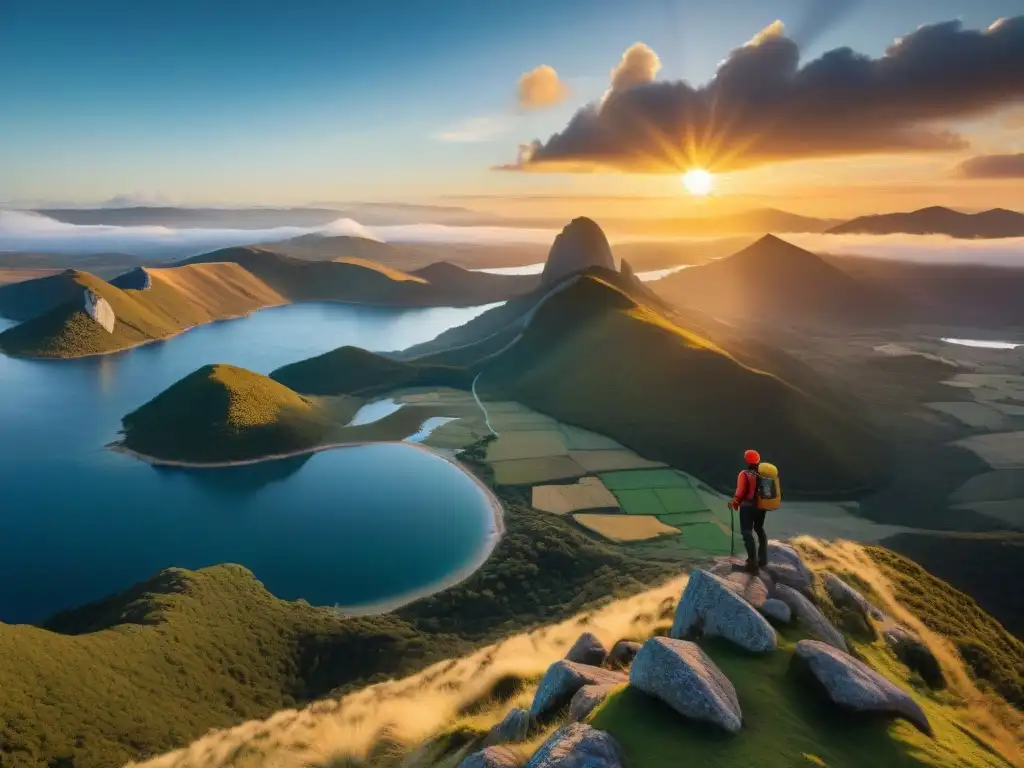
[745, 488]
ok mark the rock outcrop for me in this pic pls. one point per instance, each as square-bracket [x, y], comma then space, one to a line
[622, 654]
[586, 700]
[681, 675]
[99, 309]
[577, 745]
[844, 595]
[854, 685]
[491, 757]
[137, 279]
[514, 727]
[776, 609]
[785, 566]
[810, 618]
[581, 244]
[561, 682]
[587, 649]
[708, 606]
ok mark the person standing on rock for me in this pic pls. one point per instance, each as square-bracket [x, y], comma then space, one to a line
[757, 491]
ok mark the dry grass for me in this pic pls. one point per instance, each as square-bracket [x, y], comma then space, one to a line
[411, 711]
[991, 715]
[414, 722]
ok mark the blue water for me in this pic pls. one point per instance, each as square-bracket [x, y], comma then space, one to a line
[78, 522]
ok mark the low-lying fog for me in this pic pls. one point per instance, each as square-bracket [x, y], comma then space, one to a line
[28, 231]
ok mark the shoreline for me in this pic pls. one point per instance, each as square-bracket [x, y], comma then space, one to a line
[240, 316]
[387, 605]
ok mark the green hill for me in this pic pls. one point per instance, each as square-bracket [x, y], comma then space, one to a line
[366, 282]
[177, 300]
[223, 413]
[216, 286]
[26, 299]
[160, 664]
[354, 371]
[594, 357]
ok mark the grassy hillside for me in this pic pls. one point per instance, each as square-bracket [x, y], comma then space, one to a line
[223, 413]
[594, 358]
[216, 286]
[365, 282]
[154, 667]
[992, 653]
[178, 299]
[980, 564]
[30, 298]
[439, 716]
[774, 281]
[351, 370]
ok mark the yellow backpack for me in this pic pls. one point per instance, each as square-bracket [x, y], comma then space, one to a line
[769, 490]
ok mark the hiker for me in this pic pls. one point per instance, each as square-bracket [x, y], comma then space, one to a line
[757, 491]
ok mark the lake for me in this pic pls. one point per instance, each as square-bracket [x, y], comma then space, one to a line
[78, 521]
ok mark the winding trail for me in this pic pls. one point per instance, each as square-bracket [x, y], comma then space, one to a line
[487, 418]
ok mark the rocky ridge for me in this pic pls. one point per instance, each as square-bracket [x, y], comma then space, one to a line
[723, 602]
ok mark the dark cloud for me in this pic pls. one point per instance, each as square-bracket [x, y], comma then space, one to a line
[763, 107]
[993, 167]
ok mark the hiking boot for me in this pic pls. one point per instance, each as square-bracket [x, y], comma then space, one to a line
[751, 566]
[763, 562]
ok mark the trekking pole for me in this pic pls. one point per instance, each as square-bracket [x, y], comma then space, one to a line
[732, 532]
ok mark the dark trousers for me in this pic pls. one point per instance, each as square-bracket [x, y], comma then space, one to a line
[751, 521]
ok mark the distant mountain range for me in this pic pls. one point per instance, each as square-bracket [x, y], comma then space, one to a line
[937, 220]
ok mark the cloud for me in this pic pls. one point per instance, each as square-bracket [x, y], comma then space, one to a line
[476, 129]
[929, 249]
[29, 231]
[639, 65]
[762, 106]
[541, 88]
[1014, 120]
[993, 167]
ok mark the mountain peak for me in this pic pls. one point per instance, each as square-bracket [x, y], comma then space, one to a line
[580, 245]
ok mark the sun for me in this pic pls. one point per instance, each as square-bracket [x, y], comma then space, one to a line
[698, 182]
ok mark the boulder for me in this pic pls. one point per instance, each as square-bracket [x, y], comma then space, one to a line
[843, 594]
[622, 654]
[515, 727]
[854, 685]
[680, 674]
[588, 650]
[577, 745]
[491, 757]
[710, 607]
[561, 682]
[786, 567]
[752, 587]
[586, 700]
[776, 609]
[99, 310]
[810, 618]
[582, 244]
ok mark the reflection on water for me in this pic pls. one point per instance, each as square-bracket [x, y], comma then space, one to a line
[979, 344]
[375, 411]
[428, 427]
[78, 522]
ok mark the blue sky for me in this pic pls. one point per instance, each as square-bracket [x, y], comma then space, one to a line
[277, 102]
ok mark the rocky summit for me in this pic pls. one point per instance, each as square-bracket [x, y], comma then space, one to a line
[580, 245]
